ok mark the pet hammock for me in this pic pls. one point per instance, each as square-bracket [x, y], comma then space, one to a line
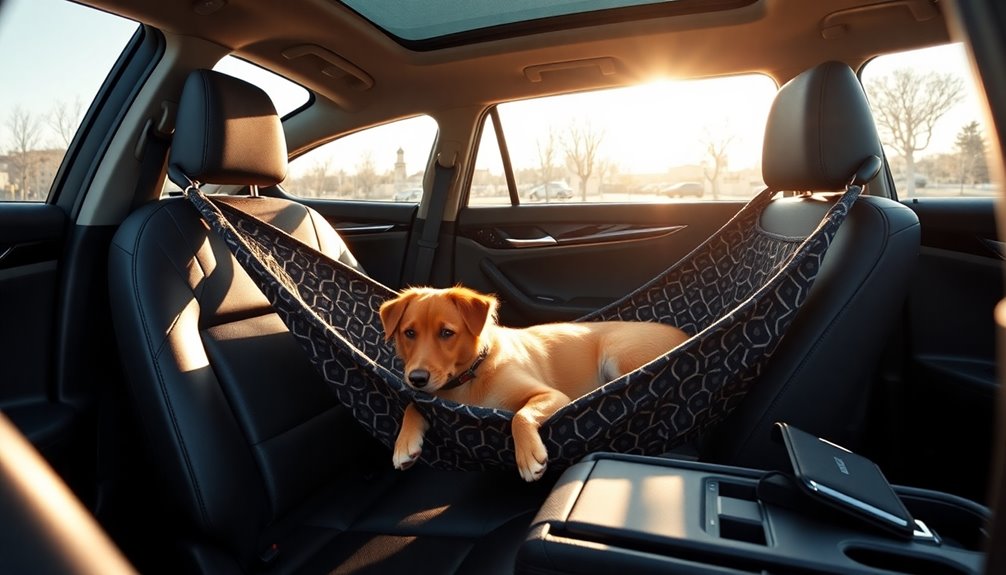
[735, 294]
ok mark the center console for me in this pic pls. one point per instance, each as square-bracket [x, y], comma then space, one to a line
[623, 514]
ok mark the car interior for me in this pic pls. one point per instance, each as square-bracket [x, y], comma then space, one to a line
[158, 416]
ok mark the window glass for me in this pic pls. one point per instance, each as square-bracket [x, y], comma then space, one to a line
[56, 54]
[930, 121]
[286, 95]
[385, 163]
[661, 142]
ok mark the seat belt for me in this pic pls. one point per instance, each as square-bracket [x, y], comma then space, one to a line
[152, 150]
[443, 177]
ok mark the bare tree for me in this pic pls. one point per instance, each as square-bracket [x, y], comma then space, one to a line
[64, 119]
[971, 155]
[605, 169]
[366, 175]
[319, 176]
[546, 157]
[24, 136]
[716, 145]
[581, 145]
[907, 105]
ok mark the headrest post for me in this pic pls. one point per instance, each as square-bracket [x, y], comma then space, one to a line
[193, 185]
[253, 190]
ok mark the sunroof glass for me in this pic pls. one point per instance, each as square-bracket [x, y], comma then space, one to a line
[418, 20]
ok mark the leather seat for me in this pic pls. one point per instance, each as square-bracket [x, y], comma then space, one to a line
[248, 445]
[820, 130]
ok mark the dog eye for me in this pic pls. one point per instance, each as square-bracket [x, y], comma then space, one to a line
[410, 333]
[446, 333]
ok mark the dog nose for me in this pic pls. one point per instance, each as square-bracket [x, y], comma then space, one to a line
[419, 377]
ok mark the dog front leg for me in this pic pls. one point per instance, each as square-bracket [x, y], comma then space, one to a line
[409, 444]
[532, 457]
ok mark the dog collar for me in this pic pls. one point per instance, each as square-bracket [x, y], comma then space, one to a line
[467, 375]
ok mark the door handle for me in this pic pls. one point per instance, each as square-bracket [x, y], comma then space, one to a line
[543, 241]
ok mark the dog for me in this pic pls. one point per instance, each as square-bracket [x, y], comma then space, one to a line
[453, 347]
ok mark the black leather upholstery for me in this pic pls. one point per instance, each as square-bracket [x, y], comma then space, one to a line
[249, 445]
[820, 130]
[226, 134]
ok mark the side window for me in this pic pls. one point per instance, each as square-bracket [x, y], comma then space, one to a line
[286, 95]
[385, 163]
[55, 55]
[930, 121]
[662, 142]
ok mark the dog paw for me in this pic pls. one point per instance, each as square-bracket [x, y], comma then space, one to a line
[532, 461]
[406, 453]
[532, 472]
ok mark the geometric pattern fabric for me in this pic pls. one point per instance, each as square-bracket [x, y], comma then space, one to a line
[735, 294]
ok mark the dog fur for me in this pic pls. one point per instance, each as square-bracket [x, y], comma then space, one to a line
[534, 371]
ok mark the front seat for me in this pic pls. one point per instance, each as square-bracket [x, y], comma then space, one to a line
[820, 129]
[265, 470]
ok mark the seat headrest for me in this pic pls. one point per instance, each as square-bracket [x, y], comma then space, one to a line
[226, 132]
[820, 132]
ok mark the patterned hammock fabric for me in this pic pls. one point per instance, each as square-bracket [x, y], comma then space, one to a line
[736, 294]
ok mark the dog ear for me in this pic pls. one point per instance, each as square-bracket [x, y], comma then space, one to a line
[476, 309]
[392, 312]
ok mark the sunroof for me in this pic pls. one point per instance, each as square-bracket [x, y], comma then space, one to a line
[420, 22]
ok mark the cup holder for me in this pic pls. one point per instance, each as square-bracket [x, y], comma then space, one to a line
[898, 561]
[959, 523]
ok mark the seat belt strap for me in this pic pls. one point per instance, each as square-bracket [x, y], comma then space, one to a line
[152, 151]
[428, 241]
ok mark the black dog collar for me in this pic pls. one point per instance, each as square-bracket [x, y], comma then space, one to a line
[465, 376]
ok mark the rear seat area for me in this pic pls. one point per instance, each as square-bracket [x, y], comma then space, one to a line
[249, 448]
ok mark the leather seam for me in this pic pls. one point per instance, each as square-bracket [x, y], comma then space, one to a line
[156, 354]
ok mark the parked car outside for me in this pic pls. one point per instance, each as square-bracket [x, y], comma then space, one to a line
[684, 189]
[409, 195]
[557, 190]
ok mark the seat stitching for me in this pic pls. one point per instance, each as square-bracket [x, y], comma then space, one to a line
[156, 354]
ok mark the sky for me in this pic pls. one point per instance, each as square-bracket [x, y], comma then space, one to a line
[646, 129]
[73, 46]
[651, 127]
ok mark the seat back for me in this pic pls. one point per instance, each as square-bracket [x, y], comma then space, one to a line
[239, 426]
[819, 132]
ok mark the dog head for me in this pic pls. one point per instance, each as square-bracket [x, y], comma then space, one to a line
[437, 331]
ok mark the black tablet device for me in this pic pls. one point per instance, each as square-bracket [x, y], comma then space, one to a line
[845, 480]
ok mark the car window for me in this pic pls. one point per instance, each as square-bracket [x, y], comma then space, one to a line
[56, 55]
[385, 163]
[930, 121]
[285, 94]
[660, 142]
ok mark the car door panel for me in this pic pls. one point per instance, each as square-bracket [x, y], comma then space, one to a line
[557, 263]
[31, 239]
[951, 344]
[377, 233]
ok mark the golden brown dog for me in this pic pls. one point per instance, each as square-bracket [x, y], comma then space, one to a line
[452, 347]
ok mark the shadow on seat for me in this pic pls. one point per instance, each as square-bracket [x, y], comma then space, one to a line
[249, 447]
